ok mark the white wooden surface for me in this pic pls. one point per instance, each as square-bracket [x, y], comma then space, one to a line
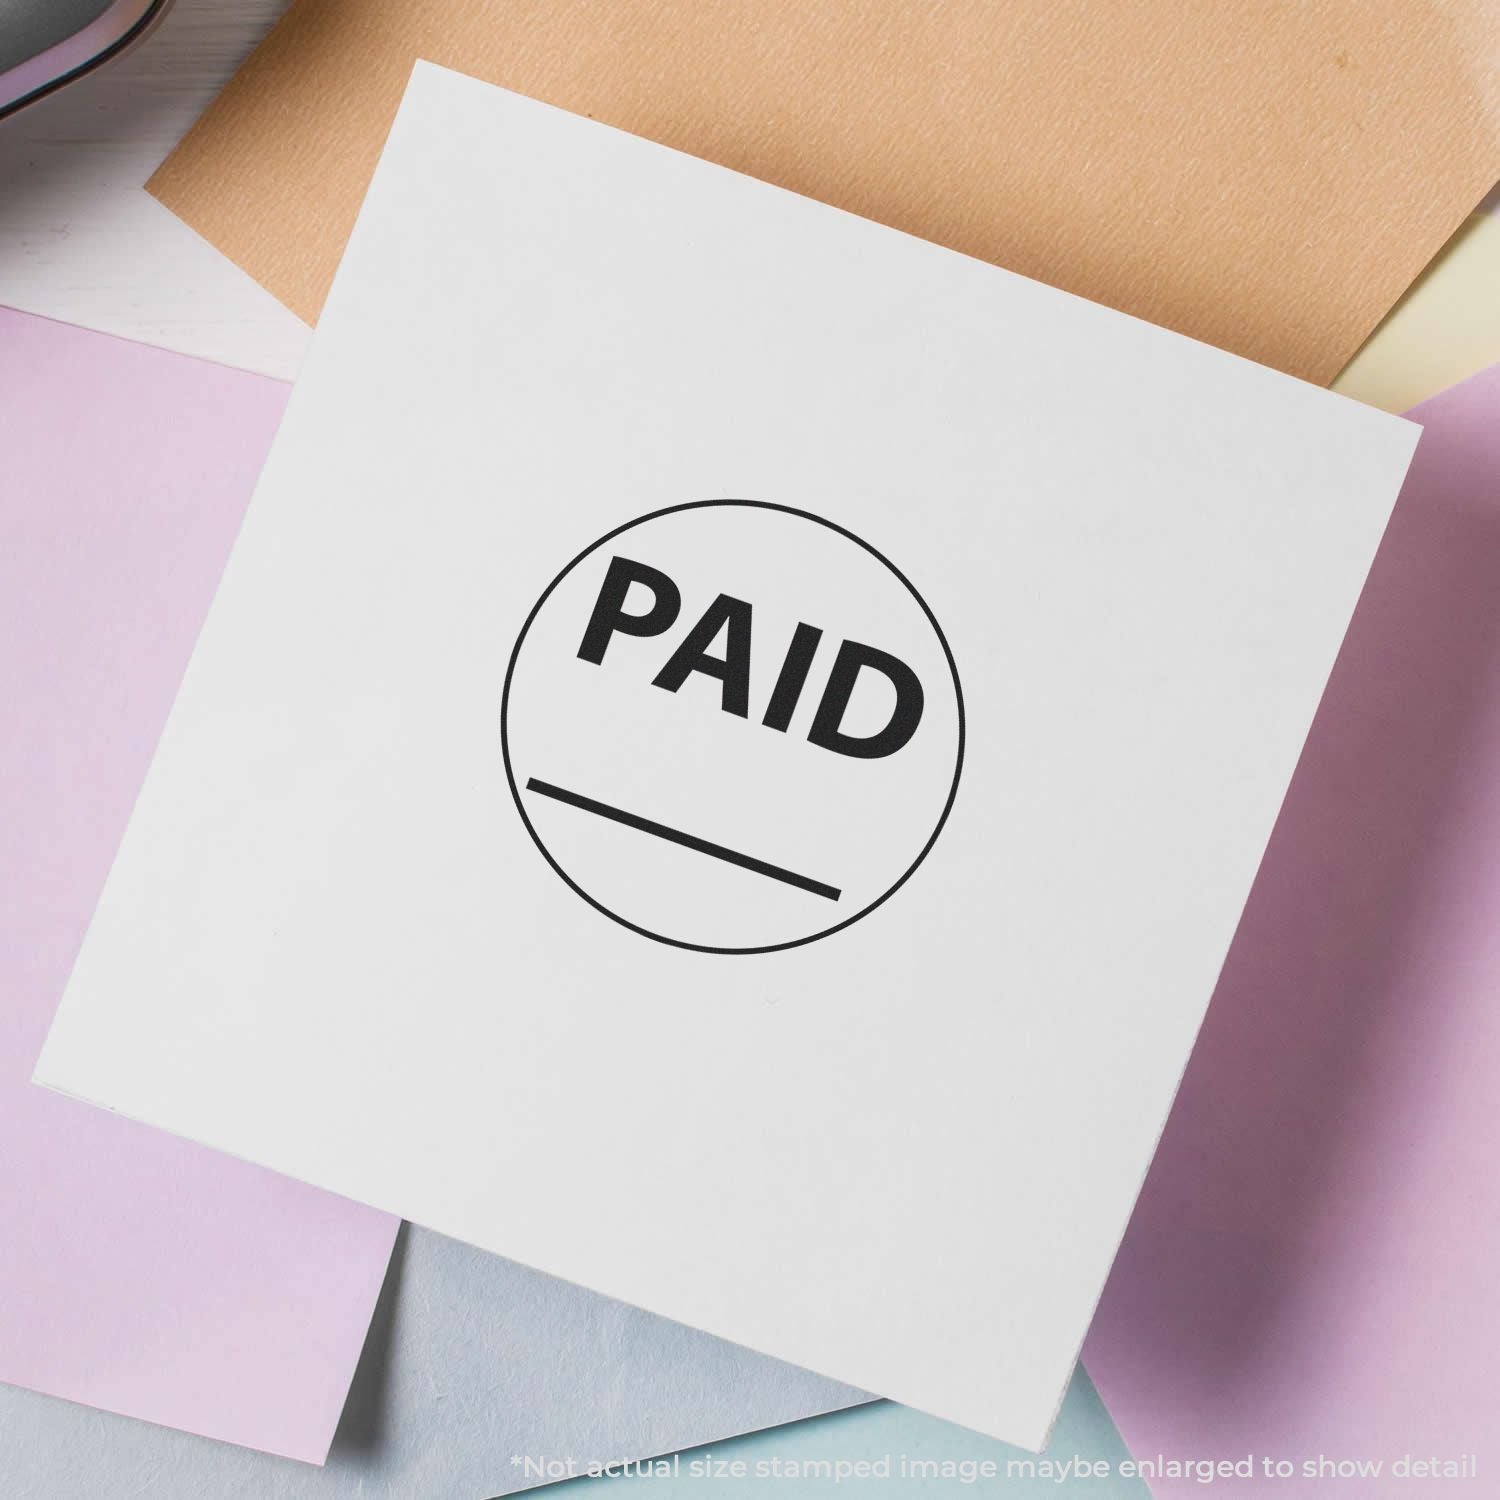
[80, 240]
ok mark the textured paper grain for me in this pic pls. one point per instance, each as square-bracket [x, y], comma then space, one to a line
[1445, 329]
[1266, 175]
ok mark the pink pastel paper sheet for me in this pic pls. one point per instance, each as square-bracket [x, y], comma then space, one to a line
[1311, 1272]
[138, 1273]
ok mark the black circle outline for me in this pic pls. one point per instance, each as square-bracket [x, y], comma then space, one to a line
[599, 906]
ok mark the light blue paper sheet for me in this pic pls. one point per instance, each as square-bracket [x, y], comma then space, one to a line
[908, 1457]
[472, 1360]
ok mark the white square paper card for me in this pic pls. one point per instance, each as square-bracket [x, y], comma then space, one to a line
[728, 755]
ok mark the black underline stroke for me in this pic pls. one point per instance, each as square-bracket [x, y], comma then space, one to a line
[676, 836]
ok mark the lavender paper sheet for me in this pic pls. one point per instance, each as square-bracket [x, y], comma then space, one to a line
[138, 1273]
[1309, 1277]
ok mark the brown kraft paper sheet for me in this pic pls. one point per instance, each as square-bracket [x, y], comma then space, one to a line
[1266, 175]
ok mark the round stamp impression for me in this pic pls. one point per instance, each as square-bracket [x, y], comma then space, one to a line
[732, 726]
